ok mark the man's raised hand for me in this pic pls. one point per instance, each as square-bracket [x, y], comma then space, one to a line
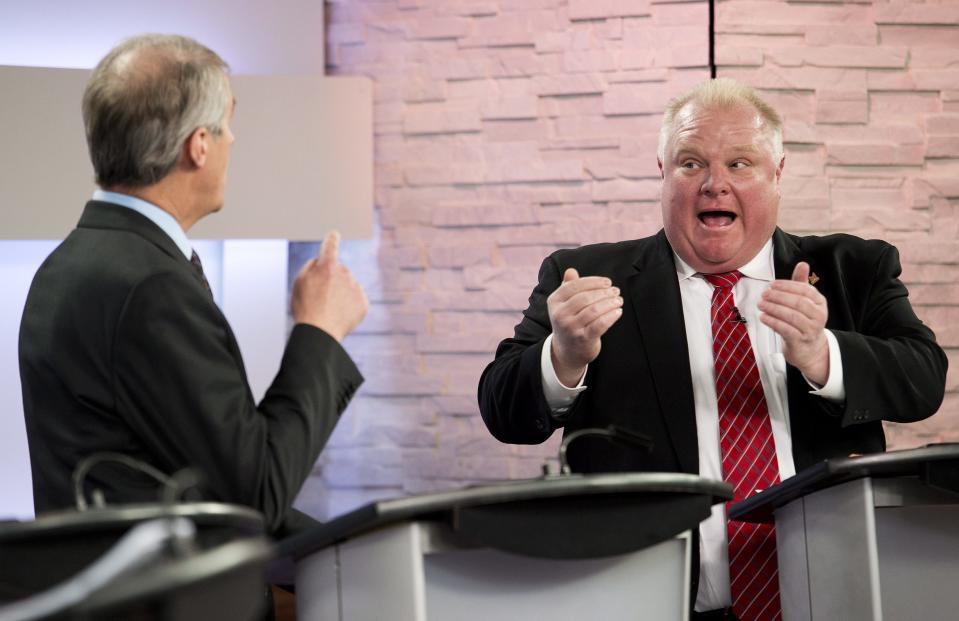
[798, 312]
[326, 295]
[581, 310]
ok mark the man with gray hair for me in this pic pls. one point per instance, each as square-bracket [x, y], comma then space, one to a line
[743, 352]
[123, 353]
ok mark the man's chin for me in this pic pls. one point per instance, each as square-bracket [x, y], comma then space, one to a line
[716, 260]
[712, 253]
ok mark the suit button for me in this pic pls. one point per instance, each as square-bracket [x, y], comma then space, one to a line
[540, 425]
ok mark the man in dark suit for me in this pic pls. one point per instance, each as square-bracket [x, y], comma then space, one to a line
[122, 348]
[635, 333]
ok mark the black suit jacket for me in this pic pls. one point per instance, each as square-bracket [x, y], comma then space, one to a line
[893, 368]
[123, 349]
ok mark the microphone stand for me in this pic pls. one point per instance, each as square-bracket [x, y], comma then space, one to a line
[613, 433]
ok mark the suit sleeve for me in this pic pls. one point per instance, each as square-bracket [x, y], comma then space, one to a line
[181, 384]
[511, 395]
[893, 368]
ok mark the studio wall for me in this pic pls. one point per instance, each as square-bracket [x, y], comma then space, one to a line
[502, 131]
[870, 96]
[507, 129]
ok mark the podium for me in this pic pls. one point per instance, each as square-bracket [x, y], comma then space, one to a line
[609, 546]
[186, 561]
[867, 538]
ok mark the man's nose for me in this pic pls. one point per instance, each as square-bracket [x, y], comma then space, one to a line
[716, 182]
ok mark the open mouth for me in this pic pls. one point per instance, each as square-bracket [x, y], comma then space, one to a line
[717, 218]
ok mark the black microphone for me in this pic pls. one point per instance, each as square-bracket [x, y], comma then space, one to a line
[613, 433]
[738, 316]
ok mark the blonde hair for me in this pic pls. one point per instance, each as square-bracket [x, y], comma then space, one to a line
[722, 93]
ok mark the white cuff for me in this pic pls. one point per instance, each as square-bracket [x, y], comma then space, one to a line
[834, 389]
[558, 396]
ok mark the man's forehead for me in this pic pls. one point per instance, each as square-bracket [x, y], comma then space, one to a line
[737, 117]
[740, 126]
[692, 143]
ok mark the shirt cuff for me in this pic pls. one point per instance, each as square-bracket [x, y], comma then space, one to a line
[558, 396]
[834, 389]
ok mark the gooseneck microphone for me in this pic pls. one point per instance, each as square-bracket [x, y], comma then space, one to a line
[172, 489]
[614, 433]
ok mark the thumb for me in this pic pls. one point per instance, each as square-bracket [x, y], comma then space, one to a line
[801, 272]
[331, 247]
[570, 274]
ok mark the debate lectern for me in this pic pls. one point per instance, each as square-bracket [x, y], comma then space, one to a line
[195, 561]
[867, 538]
[608, 546]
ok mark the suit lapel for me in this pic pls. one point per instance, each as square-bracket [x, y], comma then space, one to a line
[786, 254]
[653, 293]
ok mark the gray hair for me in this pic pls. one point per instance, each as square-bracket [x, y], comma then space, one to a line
[723, 93]
[144, 100]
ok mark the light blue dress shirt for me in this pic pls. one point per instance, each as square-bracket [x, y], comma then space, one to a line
[161, 218]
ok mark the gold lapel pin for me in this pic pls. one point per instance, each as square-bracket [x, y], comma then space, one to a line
[813, 279]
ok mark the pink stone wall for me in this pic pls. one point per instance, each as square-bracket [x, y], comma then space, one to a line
[505, 129]
[870, 95]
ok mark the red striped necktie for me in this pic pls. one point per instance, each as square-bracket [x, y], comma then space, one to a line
[749, 455]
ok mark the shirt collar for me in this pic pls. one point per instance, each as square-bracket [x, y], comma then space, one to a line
[760, 267]
[159, 217]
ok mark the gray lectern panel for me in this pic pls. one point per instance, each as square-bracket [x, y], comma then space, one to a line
[841, 543]
[793, 562]
[483, 584]
[418, 571]
[919, 562]
[870, 550]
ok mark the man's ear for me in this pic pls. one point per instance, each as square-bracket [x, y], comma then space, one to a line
[779, 169]
[195, 147]
[662, 173]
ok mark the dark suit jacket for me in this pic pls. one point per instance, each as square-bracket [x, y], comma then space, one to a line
[893, 368]
[123, 349]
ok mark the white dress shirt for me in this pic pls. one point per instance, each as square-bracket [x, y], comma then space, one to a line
[696, 295]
